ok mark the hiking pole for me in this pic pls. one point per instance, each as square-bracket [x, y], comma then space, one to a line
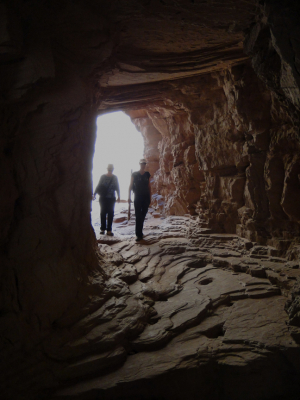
[129, 205]
[128, 217]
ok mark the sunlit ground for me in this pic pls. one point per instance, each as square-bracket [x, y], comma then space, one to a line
[118, 143]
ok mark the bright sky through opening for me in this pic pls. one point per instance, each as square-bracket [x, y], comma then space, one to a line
[118, 143]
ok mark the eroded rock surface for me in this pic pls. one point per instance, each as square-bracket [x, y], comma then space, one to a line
[223, 156]
[186, 307]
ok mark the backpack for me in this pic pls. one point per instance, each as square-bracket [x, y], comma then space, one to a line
[102, 190]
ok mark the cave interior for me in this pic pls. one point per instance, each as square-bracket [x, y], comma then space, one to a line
[208, 308]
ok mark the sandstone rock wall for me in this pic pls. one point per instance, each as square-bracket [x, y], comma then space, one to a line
[47, 140]
[229, 153]
[151, 137]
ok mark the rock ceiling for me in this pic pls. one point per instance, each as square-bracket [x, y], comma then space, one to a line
[162, 41]
[168, 40]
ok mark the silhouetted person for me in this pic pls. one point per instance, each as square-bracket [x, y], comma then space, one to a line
[140, 184]
[106, 188]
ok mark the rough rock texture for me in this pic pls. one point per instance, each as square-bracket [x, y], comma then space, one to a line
[200, 310]
[229, 148]
[204, 150]
[222, 135]
[206, 311]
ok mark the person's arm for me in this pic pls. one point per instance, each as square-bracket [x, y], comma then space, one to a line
[96, 189]
[95, 192]
[130, 189]
[118, 190]
[149, 187]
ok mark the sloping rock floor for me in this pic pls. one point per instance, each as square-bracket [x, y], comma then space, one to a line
[183, 314]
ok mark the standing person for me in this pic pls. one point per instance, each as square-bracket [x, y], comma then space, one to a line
[106, 188]
[140, 184]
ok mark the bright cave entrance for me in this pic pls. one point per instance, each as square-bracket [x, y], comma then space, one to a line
[119, 143]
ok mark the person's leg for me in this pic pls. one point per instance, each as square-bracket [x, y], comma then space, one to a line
[138, 216]
[103, 212]
[144, 209]
[110, 213]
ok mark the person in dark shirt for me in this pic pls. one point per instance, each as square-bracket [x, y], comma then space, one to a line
[106, 188]
[140, 184]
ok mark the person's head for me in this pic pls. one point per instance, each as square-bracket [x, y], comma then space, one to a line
[110, 169]
[143, 164]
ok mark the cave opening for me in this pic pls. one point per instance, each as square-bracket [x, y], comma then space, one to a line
[119, 143]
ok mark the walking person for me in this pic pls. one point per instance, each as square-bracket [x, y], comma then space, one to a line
[140, 185]
[106, 188]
